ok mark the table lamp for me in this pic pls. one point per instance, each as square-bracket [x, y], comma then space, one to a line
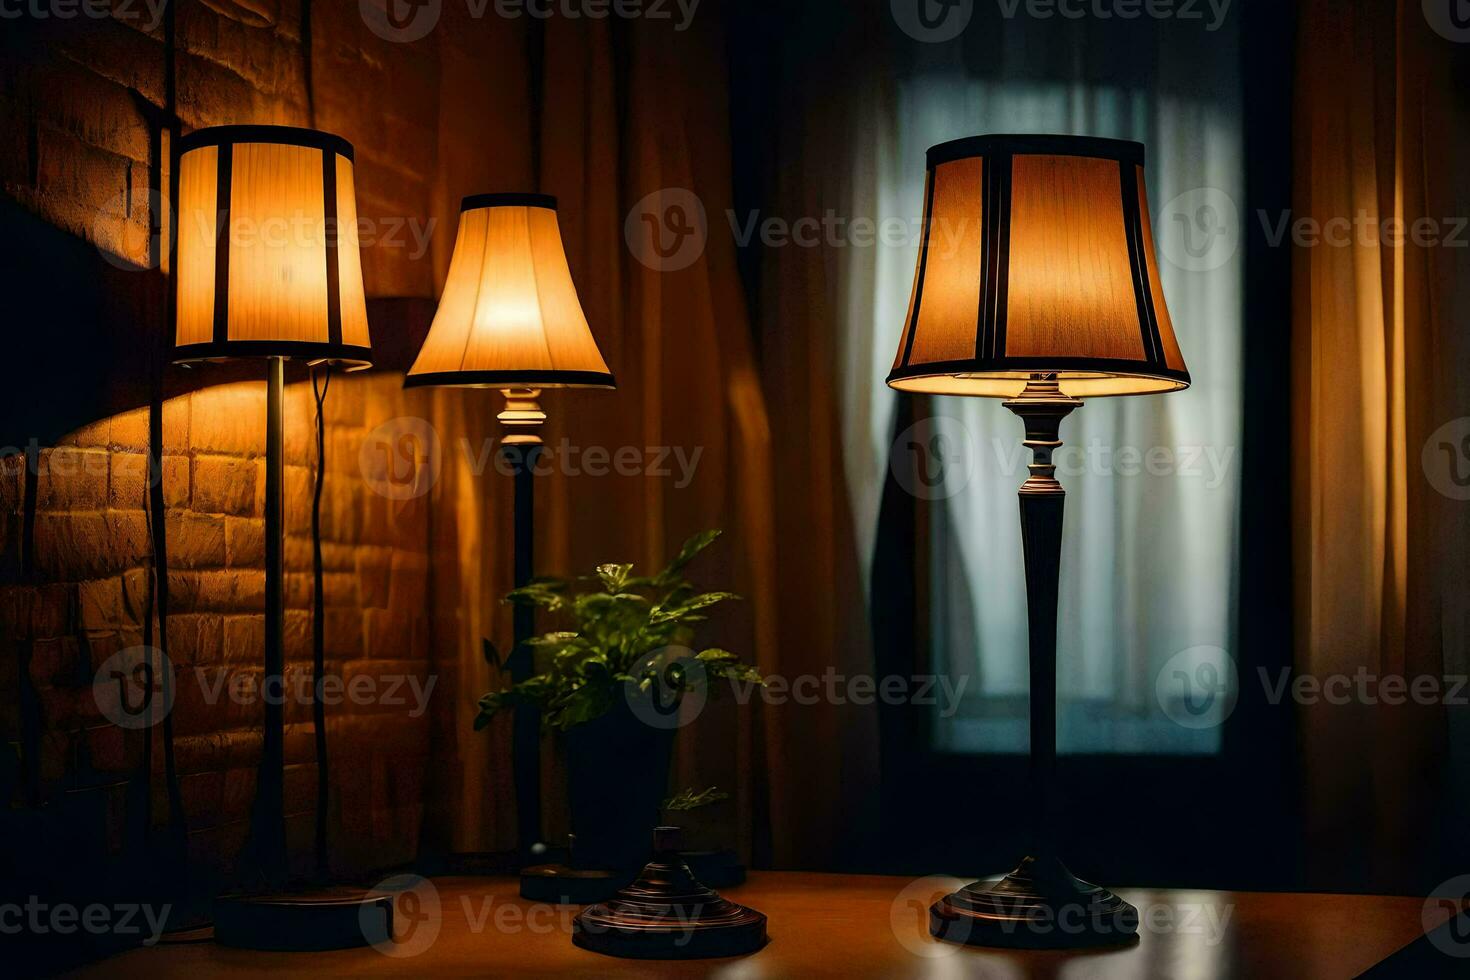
[268, 267]
[510, 318]
[1037, 283]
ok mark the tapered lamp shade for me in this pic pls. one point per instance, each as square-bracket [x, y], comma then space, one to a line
[268, 262]
[1037, 258]
[510, 316]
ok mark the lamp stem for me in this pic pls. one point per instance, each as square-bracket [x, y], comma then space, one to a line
[269, 821]
[1040, 905]
[1042, 406]
[521, 447]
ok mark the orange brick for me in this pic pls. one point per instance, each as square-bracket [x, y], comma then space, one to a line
[72, 479]
[127, 487]
[216, 592]
[12, 483]
[228, 420]
[100, 603]
[130, 430]
[224, 485]
[244, 542]
[196, 540]
[176, 481]
[176, 424]
[244, 639]
[135, 595]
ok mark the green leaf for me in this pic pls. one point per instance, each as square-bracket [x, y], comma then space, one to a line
[715, 655]
[744, 673]
[554, 641]
[688, 553]
[691, 800]
[546, 593]
[685, 611]
[617, 621]
[492, 655]
[614, 577]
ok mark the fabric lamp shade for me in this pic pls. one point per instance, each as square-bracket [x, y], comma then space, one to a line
[268, 262]
[509, 316]
[1037, 258]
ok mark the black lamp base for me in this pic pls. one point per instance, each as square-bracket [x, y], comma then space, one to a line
[1040, 905]
[305, 922]
[668, 915]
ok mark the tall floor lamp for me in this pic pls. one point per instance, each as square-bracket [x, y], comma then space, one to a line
[268, 266]
[510, 319]
[1037, 283]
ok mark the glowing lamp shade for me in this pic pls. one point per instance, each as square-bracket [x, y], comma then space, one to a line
[1037, 259]
[268, 261]
[509, 316]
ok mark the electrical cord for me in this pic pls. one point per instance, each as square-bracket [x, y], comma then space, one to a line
[318, 619]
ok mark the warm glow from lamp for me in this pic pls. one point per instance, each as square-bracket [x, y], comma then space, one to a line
[510, 316]
[268, 253]
[1038, 259]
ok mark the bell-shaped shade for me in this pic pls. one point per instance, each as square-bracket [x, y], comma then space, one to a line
[268, 261]
[1037, 258]
[510, 316]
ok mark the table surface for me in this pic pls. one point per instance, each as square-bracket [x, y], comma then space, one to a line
[843, 926]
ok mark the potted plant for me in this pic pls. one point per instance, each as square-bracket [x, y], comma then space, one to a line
[614, 687]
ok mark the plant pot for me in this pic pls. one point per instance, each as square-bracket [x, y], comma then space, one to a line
[617, 776]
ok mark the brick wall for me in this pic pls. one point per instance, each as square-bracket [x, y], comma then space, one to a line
[79, 103]
[91, 598]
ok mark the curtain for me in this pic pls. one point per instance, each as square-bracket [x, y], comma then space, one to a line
[1381, 363]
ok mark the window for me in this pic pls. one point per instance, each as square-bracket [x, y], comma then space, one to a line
[1149, 577]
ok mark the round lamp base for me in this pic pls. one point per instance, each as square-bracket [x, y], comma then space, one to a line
[304, 923]
[1040, 905]
[668, 915]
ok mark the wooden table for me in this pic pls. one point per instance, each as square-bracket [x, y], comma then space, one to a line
[849, 927]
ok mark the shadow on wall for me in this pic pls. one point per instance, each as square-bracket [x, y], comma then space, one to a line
[81, 823]
[82, 325]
